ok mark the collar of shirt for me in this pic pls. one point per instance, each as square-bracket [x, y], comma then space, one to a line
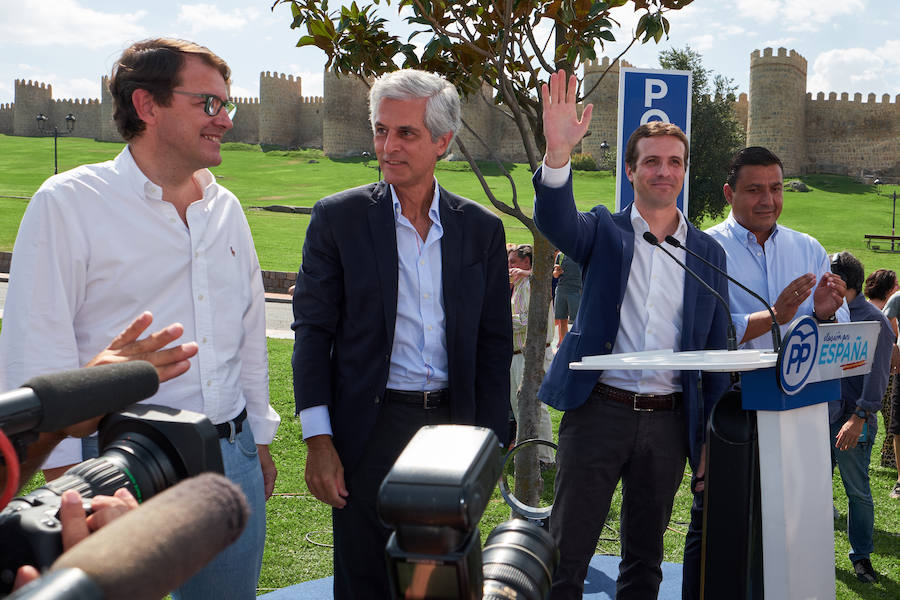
[434, 212]
[640, 225]
[145, 188]
[744, 235]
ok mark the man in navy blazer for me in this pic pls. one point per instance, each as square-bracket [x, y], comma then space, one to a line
[402, 319]
[637, 426]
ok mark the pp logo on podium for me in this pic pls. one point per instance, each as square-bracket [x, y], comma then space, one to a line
[797, 357]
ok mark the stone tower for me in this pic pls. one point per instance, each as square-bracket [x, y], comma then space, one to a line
[605, 97]
[31, 98]
[107, 131]
[777, 111]
[279, 109]
[346, 130]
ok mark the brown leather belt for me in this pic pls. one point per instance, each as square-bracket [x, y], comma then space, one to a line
[639, 401]
[426, 400]
[520, 352]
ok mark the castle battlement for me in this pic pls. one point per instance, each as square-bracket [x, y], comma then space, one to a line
[603, 64]
[822, 132]
[857, 98]
[76, 101]
[781, 57]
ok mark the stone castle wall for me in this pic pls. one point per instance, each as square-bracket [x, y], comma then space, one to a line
[847, 136]
[246, 122]
[834, 134]
[7, 114]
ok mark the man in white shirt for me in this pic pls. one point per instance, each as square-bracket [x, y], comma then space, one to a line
[633, 425]
[152, 231]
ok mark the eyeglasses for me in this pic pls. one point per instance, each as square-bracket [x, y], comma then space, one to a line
[213, 103]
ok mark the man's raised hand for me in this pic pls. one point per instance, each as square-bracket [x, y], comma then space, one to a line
[562, 128]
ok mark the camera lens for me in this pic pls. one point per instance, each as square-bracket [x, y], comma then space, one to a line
[519, 560]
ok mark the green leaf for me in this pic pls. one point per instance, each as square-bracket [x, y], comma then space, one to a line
[306, 40]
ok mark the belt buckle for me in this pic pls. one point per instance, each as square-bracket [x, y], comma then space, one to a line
[635, 401]
[427, 401]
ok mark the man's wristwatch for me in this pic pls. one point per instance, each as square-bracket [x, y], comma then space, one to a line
[831, 319]
[861, 414]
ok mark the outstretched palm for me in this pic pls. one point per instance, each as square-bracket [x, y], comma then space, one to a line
[562, 128]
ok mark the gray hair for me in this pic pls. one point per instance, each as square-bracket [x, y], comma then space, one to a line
[442, 111]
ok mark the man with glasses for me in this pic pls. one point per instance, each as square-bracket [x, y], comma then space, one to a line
[152, 231]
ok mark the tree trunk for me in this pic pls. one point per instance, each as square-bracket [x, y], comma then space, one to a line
[528, 484]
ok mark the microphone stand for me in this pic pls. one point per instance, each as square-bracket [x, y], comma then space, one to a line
[732, 336]
[776, 329]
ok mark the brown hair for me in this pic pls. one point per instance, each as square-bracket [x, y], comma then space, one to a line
[153, 65]
[880, 283]
[653, 129]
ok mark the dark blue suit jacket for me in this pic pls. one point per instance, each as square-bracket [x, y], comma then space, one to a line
[345, 306]
[603, 243]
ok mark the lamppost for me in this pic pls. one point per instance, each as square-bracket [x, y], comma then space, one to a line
[44, 129]
[367, 157]
[604, 146]
[877, 183]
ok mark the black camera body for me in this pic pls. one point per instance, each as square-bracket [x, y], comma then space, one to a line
[434, 496]
[145, 449]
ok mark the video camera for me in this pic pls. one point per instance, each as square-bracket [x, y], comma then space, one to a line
[434, 496]
[145, 449]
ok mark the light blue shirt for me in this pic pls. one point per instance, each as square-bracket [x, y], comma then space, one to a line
[419, 352]
[767, 270]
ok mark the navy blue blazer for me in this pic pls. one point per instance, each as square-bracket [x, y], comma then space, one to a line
[603, 243]
[345, 306]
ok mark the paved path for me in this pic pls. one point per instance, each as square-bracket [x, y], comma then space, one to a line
[279, 314]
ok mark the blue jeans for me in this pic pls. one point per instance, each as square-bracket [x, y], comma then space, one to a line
[854, 468]
[235, 571]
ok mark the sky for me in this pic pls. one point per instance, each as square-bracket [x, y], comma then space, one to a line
[850, 45]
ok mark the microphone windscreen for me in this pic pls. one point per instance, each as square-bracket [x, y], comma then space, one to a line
[651, 238]
[70, 397]
[672, 241]
[153, 549]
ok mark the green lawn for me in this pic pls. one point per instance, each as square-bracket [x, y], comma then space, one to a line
[837, 211]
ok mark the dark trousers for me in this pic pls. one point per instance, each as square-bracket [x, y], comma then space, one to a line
[599, 443]
[360, 568]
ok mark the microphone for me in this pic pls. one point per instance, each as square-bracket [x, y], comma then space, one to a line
[732, 336]
[56, 401]
[776, 329]
[153, 549]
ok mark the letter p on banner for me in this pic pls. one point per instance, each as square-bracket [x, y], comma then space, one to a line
[650, 95]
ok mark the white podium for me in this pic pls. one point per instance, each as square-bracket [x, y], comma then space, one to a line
[789, 390]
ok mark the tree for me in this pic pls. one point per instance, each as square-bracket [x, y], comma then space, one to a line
[716, 133]
[497, 43]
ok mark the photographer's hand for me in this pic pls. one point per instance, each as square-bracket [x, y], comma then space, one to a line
[76, 525]
[324, 471]
[169, 363]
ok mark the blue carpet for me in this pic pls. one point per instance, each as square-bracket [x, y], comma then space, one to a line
[599, 585]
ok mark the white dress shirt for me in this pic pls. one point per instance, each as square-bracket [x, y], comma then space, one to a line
[419, 352]
[97, 246]
[787, 255]
[652, 310]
